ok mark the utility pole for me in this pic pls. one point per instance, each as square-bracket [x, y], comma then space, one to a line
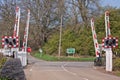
[60, 12]
[59, 52]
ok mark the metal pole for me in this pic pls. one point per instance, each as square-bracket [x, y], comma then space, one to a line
[60, 36]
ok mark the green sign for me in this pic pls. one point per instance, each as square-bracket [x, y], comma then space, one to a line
[71, 50]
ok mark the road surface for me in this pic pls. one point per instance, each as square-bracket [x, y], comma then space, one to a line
[43, 70]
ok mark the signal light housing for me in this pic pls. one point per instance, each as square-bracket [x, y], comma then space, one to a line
[110, 42]
[9, 41]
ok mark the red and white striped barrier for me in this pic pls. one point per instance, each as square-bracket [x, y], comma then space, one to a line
[107, 24]
[24, 48]
[17, 21]
[96, 45]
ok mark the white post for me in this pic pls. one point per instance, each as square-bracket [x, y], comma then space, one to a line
[23, 54]
[108, 50]
[109, 59]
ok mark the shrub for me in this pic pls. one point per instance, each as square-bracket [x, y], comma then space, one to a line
[116, 64]
[4, 78]
[2, 61]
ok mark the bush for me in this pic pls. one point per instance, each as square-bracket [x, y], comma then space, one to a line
[81, 41]
[4, 79]
[81, 38]
[2, 61]
[116, 64]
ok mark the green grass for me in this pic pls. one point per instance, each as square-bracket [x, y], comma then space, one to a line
[2, 62]
[117, 73]
[45, 57]
[54, 58]
[4, 79]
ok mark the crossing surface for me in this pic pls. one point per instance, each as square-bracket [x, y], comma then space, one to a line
[43, 70]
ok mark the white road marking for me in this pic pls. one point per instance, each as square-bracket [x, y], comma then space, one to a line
[67, 70]
[30, 69]
[94, 67]
[85, 79]
[63, 67]
[52, 70]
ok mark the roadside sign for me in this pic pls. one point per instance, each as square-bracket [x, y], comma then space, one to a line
[70, 50]
[40, 50]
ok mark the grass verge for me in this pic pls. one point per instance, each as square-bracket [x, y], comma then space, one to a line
[2, 62]
[117, 73]
[4, 79]
[54, 58]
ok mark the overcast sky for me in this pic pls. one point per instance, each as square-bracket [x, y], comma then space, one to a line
[114, 3]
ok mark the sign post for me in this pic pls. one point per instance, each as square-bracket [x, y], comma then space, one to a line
[41, 51]
[108, 59]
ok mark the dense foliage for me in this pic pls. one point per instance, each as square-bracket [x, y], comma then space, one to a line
[116, 64]
[80, 38]
[2, 60]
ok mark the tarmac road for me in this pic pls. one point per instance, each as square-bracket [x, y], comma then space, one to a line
[43, 70]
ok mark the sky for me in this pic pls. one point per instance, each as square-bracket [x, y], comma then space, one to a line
[114, 3]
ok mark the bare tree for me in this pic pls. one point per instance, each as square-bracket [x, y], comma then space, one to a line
[46, 14]
[42, 13]
[83, 9]
[7, 14]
